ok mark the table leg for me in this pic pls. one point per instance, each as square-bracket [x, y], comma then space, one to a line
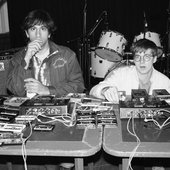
[125, 163]
[90, 166]
[9, 165]
[79, 164]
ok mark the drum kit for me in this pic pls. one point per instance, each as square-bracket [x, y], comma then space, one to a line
[110, 51]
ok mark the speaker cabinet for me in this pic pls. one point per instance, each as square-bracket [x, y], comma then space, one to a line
[4, 68]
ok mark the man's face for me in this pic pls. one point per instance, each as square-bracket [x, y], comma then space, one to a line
[38, 32]
[144, 61]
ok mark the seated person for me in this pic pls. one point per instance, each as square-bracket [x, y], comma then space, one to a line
[43, 67]
[142, 75]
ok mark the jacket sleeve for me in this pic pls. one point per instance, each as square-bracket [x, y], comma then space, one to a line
[17, 74]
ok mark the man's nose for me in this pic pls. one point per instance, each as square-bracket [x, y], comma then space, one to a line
[142, 59]
[38, 33]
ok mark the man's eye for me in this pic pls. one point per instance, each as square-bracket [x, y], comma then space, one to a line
[44, 28]
[32, 29]
[137, 56]
[148, 56]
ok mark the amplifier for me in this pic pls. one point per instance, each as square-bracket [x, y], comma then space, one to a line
[5, 57]
[4, 65]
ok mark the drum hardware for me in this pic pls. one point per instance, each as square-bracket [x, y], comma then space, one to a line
[111, 46]
[128, 59]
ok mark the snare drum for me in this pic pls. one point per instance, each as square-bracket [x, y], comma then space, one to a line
[99, 66]
[152, 36]
[111, 46]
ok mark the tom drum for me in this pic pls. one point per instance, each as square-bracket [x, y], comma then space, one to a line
[111, 46]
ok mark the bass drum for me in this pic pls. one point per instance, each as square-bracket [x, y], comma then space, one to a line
[99, 66]
[152, 36]
[111, 46]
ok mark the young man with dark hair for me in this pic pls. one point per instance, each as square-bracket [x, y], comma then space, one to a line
[43, 67]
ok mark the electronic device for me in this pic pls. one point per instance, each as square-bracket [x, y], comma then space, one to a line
[8, 113]
[12, 141]
[139, 95]
[9, 127]
[162, 94]
[24, 119]
[15, 101]
[142, 105]
[9, 135]
[95, 113]
[48, 105]
[76, 97]
[43, 127]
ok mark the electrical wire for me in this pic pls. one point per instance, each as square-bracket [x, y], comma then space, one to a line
[137, 138]
[24, 153]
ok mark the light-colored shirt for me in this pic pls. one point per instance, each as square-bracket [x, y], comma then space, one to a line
[126, 79]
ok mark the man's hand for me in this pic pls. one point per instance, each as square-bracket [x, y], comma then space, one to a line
[34, 86]
[32, 48]
[111, 94]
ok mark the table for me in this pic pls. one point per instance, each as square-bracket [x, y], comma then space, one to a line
[89, 145]
[115, 146]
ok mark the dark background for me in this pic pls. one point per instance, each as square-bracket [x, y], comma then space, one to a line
[76, 18]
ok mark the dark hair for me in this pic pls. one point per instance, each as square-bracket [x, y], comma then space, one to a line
[38, 17]
[144, 44]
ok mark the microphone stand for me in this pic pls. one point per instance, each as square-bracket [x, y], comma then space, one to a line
[85, 52]
[85, 46]
[98, 21]
[168, 32]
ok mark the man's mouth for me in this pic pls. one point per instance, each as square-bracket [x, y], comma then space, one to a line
[142, 67]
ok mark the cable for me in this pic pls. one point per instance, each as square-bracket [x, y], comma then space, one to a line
[165, 123]
[24, 153]
[137, 138]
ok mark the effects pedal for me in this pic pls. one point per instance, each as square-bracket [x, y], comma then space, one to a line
[24, 119]
[9, 127]
[43, 127]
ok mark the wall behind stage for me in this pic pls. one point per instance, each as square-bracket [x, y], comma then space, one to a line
[125, 17]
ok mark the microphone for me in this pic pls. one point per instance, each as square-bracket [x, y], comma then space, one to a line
[106, 20]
